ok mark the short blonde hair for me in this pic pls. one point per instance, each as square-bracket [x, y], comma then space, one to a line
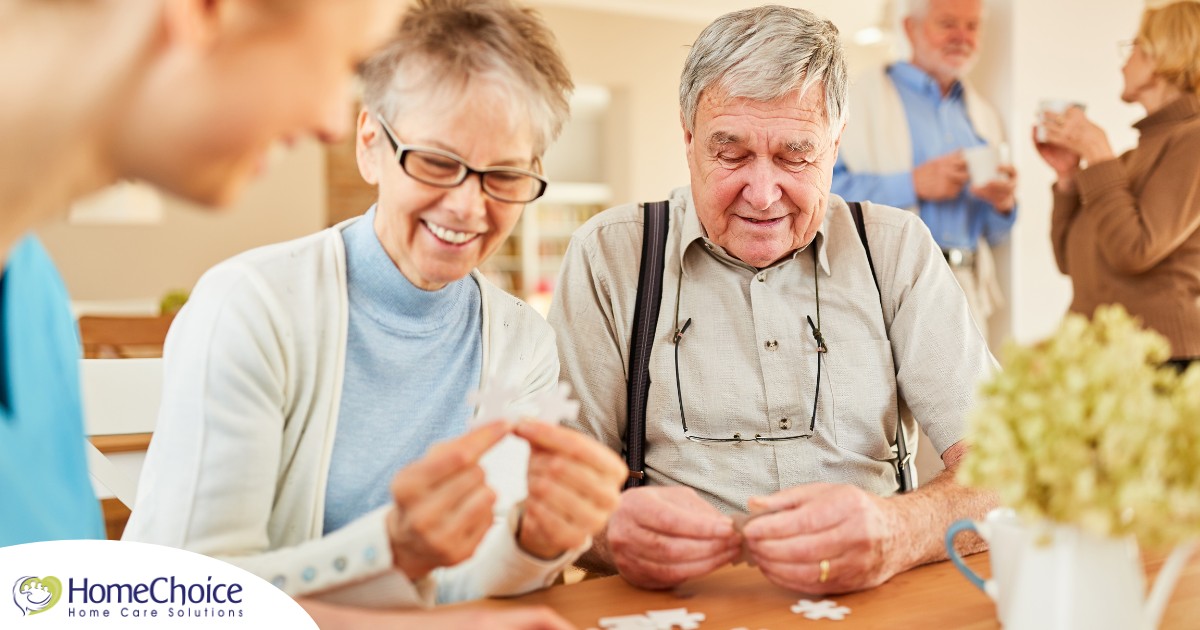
[1170, 35]
[445, 47]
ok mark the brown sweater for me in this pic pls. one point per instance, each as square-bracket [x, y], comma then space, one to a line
[1130, 235]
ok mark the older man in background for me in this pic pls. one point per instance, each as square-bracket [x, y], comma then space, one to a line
[911, 123]
[779, 368]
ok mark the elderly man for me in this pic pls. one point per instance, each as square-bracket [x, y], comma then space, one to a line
[778, 369]
[904, 148]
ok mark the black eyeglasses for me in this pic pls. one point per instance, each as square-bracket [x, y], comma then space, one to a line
[446, 170]
[758, 437]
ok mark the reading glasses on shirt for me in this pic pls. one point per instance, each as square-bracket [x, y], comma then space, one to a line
[444, 169]
[822, 348]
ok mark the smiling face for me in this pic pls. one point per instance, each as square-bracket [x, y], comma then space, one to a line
[438, 235]
[242, 80]
[761, 172]
[945, 39]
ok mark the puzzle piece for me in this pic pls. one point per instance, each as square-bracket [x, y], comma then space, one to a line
[555, 405]
[627, 622]
[824, 609]
[494, 402]
[675, 618]
[667, 619]
[498, 401]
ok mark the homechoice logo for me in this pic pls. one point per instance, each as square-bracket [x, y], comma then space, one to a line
[35, 595]
[111, 584]
[159, 598]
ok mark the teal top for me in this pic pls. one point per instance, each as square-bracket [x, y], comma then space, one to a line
[45, 490]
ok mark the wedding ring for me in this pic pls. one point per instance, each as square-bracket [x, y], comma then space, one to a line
[824, 577]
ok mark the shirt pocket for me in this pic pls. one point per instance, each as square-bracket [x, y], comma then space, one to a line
[863, 383]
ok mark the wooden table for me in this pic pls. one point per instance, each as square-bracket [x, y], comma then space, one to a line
[933, 596]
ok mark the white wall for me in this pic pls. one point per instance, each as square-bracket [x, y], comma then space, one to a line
[109, 262]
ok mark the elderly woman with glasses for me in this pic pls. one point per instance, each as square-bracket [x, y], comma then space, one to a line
[1126, 228]
[302, 376]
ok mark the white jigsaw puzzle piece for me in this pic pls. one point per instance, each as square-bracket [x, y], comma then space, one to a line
[493, 402]
[675, 618]
[555, 405]
[627, 622]
[824, 609]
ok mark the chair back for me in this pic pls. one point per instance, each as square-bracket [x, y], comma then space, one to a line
[120, 337]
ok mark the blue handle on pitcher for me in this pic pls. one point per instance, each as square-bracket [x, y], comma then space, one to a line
[959, 526]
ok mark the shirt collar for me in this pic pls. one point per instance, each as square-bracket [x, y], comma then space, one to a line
[917, 80]
[693, 233]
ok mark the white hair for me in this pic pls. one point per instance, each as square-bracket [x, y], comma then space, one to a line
[764, 53]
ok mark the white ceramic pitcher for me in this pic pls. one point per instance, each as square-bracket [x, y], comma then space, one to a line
[1057, 576]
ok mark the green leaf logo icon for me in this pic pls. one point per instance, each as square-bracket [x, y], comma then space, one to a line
[35, 595]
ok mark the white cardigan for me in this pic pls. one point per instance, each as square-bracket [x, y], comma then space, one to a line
[252, 384]
[877, 138]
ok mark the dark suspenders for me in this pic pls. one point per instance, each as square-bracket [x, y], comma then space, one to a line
[645, 321]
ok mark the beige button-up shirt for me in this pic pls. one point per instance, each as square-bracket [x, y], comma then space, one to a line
[748, 363]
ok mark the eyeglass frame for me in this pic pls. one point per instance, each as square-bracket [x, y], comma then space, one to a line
[1125, 47]
[822, 349]
[402, 150]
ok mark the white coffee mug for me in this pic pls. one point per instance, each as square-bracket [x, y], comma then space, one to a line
[1055, 106]
[984, 162]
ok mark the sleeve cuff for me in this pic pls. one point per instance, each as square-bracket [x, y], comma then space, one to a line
[358, 569]
[1097, 180]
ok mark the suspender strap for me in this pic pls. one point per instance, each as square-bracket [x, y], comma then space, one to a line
[904, 476]
[645, 320]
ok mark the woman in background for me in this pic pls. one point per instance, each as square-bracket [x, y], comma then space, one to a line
[301, 376]
[1127, 229]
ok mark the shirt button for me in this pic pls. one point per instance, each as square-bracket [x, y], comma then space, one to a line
[772, 344]
[762, 277]
[309, 574]
[279, 581]
[784, 423]
[339, 564]
[369, 555]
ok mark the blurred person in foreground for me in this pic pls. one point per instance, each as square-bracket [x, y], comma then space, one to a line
[184, 94]
[779, 369]
[300, 377]
[1126, 228]
[187, 95]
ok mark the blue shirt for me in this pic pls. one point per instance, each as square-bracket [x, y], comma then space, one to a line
[45, 490]
[411, 358]
[938, 125]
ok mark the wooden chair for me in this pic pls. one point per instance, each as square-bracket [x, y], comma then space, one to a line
[123, 337]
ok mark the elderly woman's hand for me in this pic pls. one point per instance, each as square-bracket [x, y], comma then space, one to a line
[443, 503]
[1064, 161]
[574, 484]
[1073, 131]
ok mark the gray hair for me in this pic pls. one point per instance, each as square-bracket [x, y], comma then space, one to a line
[762, 54]
[444, 47]
[918, 9]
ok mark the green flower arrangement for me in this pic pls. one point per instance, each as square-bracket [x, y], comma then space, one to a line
[1085, 428]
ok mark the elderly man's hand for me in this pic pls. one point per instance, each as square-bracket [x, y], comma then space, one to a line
[443, 504]
[662, 536]
[574, 485]
[941, 178]
[1001, 193]
[843, 527]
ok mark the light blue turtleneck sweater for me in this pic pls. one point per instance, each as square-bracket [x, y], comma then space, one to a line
[411, 358]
